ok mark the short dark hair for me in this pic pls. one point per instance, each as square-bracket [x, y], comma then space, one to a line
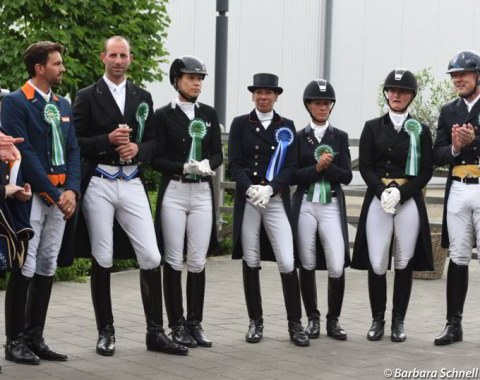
[38, 53]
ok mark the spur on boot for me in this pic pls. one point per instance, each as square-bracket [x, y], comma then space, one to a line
[297, 334]
[181, 335]
[335, 331]
[159, 342]
[106, 342]
[377, 330]
[255, 332]
[313, 328]
[18, 351]
[197, 333]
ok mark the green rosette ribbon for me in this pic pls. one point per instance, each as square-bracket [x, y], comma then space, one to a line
[321, 191]
[51, 114]
[197, 131]
[414, 129]
[141, 116]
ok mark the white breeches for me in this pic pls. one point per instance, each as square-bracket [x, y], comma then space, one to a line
[127, 202]
[404, 226]
[278, 229]
[187, 209]
[326, 219]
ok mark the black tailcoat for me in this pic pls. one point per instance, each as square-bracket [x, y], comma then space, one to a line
[95, 115]
[382, 154]
[339, 172]
[173, 147]
[455, 112]
[250, 149]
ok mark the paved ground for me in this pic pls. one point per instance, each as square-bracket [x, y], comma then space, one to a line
[71, 328]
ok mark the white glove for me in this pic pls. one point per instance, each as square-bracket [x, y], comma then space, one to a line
[390, 198]
[192, 167]
[204, 167]
[252, 190]
[262, 196]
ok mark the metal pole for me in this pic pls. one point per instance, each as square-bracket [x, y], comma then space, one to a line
[220, 99]
[326, 40]
[221, 49]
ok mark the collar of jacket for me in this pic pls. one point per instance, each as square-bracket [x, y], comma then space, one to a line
[309, 128]
[276, 119]
[29, 92]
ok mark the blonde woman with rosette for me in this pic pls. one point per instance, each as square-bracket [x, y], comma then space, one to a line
[395, 159]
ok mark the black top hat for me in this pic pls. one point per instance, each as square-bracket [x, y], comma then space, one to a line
[267, 81]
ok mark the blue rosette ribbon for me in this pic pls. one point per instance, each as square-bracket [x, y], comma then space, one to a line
[284, 137]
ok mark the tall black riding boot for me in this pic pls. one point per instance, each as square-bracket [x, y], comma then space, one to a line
[195, 300]
[172, 288]
[336, 289]
[291, 294]
[402, 289]
[102, 305]
[457, 287]
[377, 291]
[16, 348]
[151, 288]
[253, 299]
[38, 299]
[308, 289]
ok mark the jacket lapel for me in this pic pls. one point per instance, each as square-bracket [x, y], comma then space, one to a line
[105, 99]
[131, 102]
[256, 126]
[473, 115]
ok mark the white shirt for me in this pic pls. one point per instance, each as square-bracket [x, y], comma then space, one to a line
[118, 92]
[188, 108]
[44, 95]
[472, 103]
[265, 118]
[319, 130]
[397, 119]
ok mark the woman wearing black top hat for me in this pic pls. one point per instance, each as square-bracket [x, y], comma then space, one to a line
[395, 159]
[319, 214]
[262, 155]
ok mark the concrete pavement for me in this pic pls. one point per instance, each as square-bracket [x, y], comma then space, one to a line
[71, 329]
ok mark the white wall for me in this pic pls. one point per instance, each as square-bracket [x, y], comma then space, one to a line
[279, 37]
[369, 39]
[372, 37]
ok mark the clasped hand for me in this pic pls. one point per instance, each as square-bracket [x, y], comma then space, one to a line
[260, 195]
[198, 167]
[389, 200]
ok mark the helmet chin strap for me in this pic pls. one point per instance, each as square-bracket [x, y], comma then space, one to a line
[474, 89]
[318, 121]
[188, 98]
[401, 111]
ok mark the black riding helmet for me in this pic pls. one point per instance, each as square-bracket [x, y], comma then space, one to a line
[319, 89]
[464, 60]
[186, 64]
[403, 79]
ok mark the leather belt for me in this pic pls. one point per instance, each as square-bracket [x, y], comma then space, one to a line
[333, 193]
[100, 175]
[467, 180]
[259, 181]
[184, 179]
[390, 182]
